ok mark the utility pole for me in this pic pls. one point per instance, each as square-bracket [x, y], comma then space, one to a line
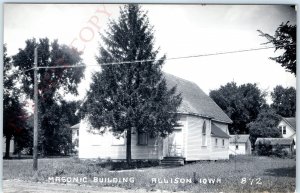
[35, 124]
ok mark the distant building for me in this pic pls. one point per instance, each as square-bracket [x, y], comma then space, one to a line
[11, 147]
[75, 137]
[287, 127]
[240, 144]
[285, 143]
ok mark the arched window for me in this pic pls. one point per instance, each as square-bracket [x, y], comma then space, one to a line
[204, 134]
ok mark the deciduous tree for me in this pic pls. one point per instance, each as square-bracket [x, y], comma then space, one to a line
[265, 125]
[284, 101]
[14, 115]
[284, 40]
[241, 103]
[53, 82]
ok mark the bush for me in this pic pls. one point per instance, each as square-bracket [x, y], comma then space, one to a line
[264, 148]
[279, 151]
[134, 164]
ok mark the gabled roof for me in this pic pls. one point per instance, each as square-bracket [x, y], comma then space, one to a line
[75, 126]
[217, 132]
[274, 141]
[239, 138]
[291, 121]
[195, 101]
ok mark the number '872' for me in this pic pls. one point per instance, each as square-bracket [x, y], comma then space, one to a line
[251, 181]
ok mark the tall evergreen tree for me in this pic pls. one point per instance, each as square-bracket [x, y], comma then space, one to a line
[52, 81]
[131, 97]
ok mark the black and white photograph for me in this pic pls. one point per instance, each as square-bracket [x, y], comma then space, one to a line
[140, 98]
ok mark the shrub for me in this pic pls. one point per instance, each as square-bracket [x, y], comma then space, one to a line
[279, 151]
[264, 148]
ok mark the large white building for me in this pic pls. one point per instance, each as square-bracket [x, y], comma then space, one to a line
[203, 134]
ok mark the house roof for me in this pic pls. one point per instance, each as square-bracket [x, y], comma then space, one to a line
[239, 138]
[217, 132]
[195, 101]
[274, 141]
[291, 121]
[75, 126]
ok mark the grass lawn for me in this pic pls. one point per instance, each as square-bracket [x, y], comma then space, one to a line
[248, 174]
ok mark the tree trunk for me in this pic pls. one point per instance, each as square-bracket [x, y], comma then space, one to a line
[128, 146]
[7, 146]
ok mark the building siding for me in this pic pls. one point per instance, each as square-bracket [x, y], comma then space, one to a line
[240, 150]
[11, 147]
[219, 151]
[195, 150]
[101, 146]
[289, 131]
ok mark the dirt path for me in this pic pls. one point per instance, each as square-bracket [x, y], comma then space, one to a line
[16, 186]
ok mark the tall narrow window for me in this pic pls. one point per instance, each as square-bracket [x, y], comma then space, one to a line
[204, 134]
[216, 142]
[283, 129]
[142, 138]
[223, 142]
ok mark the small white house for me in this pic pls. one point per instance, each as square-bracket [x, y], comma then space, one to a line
[240, 144]
[287, 127]
[75, 137]
[11, 147]
[203, 134]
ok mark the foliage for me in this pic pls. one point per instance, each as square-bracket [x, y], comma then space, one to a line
[285, 40]
[131, 97]
[264, 148]
[53, 83]
[279, 151]
[241, 103]
[60, 117]
[14, 115]
[265, 126]
[284, 101]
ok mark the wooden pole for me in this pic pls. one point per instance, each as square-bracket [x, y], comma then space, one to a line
[35, 130]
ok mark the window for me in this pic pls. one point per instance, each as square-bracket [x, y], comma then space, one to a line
[216, 142]
[236, 146]
[118, 140]
[284, 130]
[204, 134]
[76, 142]
[77, 132]
[142, 139]
[223, 142]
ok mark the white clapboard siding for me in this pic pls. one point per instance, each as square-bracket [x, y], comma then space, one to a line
[104, 146]
[218, 151]
[194, 148]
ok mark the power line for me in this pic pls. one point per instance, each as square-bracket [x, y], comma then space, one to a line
[153, 60]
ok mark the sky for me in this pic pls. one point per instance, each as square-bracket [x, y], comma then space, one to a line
[180, 30]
